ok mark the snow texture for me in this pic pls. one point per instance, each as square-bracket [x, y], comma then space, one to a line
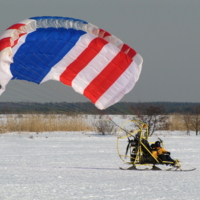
[84, 165]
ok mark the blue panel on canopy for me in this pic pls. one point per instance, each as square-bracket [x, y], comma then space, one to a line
[42, 49]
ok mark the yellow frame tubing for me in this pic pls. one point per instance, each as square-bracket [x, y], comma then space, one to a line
[141, 126]
[149, 152]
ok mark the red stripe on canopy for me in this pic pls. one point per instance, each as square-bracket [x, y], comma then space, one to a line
[4, 43]
[82, 60]
[15, 26]
[107, 77]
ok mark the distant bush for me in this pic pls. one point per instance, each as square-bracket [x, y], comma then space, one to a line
[104, 127]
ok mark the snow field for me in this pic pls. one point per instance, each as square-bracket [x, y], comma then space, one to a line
[83, 165]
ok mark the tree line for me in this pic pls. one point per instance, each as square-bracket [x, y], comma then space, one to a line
[154, 114]
[121, 108]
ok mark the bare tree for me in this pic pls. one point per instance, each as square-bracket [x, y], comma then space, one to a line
[154, 117]
[187, 122]
[195, 119]
[104, 127]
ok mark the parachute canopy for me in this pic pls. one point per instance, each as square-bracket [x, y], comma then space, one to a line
[93, 62]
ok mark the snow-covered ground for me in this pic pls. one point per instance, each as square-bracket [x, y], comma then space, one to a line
[78, 165]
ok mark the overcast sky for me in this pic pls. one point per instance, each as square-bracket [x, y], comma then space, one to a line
[166, 33]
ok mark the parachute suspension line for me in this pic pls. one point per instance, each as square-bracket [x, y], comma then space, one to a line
[52, 88]
[29, 96]
[47, 83]
[19, 82]
[64, 94]
[42, 94]
[117, 125]
[31, 70]
[20, 96]
[17, 93]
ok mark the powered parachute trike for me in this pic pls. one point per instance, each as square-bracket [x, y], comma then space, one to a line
[138, 154]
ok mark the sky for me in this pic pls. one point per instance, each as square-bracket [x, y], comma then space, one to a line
[164, 32]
